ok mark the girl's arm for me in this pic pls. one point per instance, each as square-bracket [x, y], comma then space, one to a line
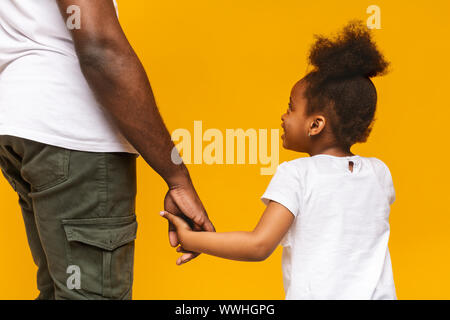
[255, 245]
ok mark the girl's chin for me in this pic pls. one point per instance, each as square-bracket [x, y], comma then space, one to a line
[287, 146]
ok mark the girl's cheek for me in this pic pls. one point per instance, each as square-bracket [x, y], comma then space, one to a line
[296, 138]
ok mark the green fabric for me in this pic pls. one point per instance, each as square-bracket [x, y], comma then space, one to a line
[79, 210]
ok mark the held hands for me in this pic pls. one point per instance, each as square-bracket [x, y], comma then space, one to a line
[181, 228]
[183, 203]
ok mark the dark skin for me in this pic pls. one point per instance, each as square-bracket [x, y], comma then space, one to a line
[310, 134]
[120, 84]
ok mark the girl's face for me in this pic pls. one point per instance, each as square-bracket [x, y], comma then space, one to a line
[296, 123]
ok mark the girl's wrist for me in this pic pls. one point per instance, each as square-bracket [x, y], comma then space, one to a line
[183, 236]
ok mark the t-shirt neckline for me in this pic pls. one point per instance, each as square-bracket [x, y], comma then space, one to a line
[336, 157]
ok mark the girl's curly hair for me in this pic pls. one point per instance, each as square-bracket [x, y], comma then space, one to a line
[340, 84]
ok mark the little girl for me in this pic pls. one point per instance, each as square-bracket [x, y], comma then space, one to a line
[330, 211]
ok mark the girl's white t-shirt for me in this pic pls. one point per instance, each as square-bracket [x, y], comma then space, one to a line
[337, 246]
[43, 94]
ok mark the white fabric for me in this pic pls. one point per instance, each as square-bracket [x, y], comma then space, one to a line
[337, 246]
[43, 94]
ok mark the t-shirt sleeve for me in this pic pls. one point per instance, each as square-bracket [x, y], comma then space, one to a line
[284, 188]
[385, 178]
[389, 183]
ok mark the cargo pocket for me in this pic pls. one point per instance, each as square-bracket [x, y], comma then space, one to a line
[103, 249]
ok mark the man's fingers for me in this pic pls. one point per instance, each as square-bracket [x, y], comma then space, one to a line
[173, 238]
[197, 227]
[208, 226]
[186, 258]
[188, 202]
[182, 250]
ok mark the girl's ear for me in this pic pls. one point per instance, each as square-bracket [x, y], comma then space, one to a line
[317, 125]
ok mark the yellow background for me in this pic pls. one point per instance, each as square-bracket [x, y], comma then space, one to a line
[232, 64]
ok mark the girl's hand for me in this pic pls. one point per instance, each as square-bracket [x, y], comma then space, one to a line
[181, 227]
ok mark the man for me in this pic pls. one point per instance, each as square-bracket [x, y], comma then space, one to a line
[76, 110]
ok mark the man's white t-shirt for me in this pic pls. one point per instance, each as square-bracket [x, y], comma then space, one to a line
[337, 246]
[43, 94]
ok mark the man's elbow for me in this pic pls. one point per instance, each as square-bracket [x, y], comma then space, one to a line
[91, 56]
[100, 55]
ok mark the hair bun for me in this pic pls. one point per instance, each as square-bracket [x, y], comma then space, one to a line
[351, 53]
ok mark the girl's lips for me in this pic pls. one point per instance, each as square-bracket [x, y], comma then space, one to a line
[284, 131]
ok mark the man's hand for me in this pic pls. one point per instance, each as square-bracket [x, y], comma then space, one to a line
[183, 200]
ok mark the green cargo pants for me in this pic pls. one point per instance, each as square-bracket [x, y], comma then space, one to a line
[79, 214]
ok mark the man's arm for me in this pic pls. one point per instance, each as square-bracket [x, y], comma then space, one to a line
[120, 84]
[256, 245]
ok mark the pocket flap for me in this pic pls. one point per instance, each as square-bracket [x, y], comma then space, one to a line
[105, 233]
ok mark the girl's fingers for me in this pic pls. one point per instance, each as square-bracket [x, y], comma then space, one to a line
[174, 220]
[175, 225]
[166, 215]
